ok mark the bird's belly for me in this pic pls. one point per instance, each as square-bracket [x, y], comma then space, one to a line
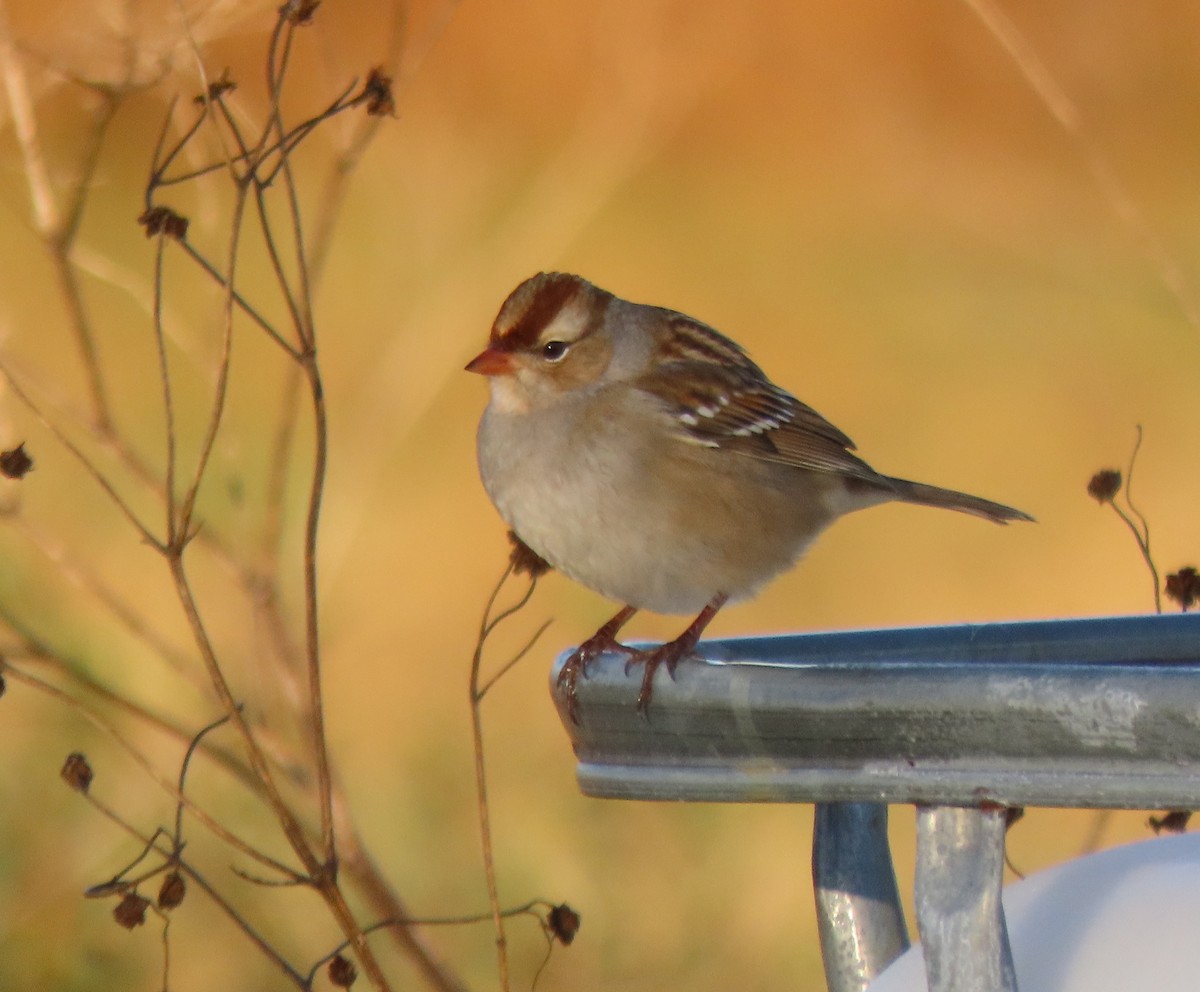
[639, 533]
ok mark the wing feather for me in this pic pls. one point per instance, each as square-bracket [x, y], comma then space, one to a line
[717, 397]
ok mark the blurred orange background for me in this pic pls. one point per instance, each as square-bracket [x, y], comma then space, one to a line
[871, 198]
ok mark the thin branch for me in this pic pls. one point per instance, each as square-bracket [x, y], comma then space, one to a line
[217, 409]
[526, 909]
[1142, 533]
[164, 373]
[485, 827]
[226, 907]
[300, 306]
[241, 302]
[183, 770]
[508, 665]
[258, 762]
[89, 466]
[487, 624]
[140, 759]
[264, 150]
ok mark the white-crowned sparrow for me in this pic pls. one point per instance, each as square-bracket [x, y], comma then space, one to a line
[644, 455]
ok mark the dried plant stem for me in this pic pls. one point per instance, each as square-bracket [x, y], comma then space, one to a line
[320, 875]
[488, 624]
[1141, 528]
[485, 828]
[521, 653]
[89, 466]
[253, 162]
[1143, 532]
[1100, 820]
[263, 945]
[298, 303]
[322, 871]
[337, 180]
[526, 909]
[355, 859]
[316, 708]
[164, 373]
[140, 759]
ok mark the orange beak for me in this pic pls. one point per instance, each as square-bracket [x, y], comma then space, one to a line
[491, 361]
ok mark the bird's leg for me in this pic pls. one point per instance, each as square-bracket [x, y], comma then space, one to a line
[670, 653]
[605, 639]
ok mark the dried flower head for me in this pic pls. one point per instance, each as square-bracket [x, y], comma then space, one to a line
[164, 220]
[342, 972]
[299, 12]
[216, 89]
[1104, 485]
[563, 922]
[15, 463]
[525, 560]
[131, 910]
[172, 890]
[1173, 822]
[1184, 587]
[76, 772]
[378, 93]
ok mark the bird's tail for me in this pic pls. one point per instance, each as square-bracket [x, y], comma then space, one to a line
[948, 499]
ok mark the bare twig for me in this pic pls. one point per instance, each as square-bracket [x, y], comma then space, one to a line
[525, 909]
[253, 161]
[1142, 533]
[487, 625]
[521, 653]
[300, 305]
[141, 760]
[259, 941]
[88, 465]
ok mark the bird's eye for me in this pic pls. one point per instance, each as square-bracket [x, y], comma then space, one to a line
[554, 351]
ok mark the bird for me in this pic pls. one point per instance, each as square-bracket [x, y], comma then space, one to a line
[644, 455]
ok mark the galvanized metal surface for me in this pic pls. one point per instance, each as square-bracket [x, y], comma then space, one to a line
[859, 916]
[1091, 713]
[960, 865]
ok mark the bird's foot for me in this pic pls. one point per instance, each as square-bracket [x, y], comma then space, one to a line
[671, 653]
[576, 666]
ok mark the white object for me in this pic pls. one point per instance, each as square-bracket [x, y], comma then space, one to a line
[1120, 920]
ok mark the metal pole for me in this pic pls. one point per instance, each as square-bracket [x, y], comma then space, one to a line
[960, 864]
[859, 917]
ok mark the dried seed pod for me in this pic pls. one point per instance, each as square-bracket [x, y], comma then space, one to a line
[172, 891]
[342, 972]
[131, 910]
[15, 463]
[563, 923]
[1104, 485]
[76, 772]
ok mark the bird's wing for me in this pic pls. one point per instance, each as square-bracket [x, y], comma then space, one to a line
[717, 397]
